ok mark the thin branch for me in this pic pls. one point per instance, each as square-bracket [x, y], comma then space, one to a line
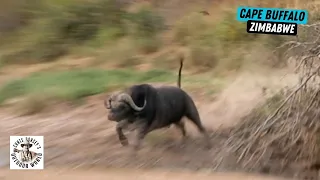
[310, 25]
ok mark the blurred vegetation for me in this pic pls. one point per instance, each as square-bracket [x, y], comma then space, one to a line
[40, 90]
[76, 84]
[114, 34]
[35, 31]
[57, 26]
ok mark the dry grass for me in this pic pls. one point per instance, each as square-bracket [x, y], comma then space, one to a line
[285, 129]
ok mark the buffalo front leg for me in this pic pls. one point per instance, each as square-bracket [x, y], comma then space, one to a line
[119, 128]
[142, 131]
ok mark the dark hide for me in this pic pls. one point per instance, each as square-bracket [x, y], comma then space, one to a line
[165, 106]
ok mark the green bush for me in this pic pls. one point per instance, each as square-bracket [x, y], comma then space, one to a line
[190, 28]
[79, 24]
[16, 14]
[82, 21]
[229, 31]
[148, 45]
[38, 42]
[106, 35]
[203, 57]
[146, 22]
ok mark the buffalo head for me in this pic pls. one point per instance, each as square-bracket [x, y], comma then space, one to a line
[121, 106]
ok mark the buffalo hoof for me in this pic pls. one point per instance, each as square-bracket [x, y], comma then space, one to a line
[124, 142]
[133, 152]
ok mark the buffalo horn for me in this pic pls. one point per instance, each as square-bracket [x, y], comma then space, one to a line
[127, 98]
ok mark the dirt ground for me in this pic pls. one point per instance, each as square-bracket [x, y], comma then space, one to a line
[113, 174]
[82, 138]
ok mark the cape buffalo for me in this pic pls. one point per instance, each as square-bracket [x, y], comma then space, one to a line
[149, 108]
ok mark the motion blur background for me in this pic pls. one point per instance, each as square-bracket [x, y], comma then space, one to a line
[60, 58]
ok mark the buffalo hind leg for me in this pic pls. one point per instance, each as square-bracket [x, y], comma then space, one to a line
[193, 115]
[181, 126]
[200, 127]
[122, 138]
